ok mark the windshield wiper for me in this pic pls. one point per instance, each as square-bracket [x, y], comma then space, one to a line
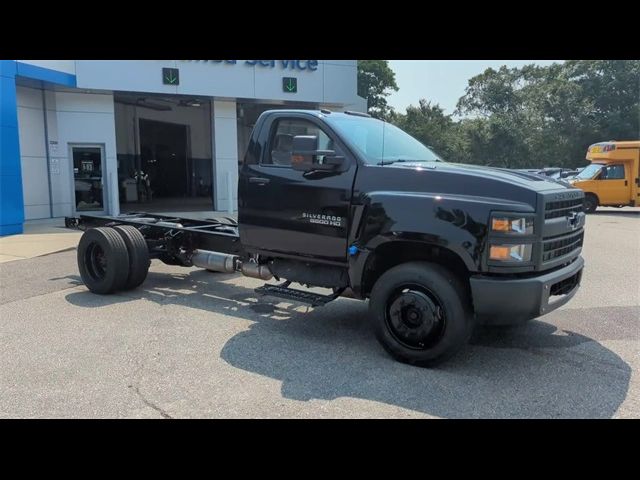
[389, 162]
[403, 160]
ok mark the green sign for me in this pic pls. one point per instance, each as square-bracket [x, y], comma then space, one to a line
[289, 84]
[170, 76]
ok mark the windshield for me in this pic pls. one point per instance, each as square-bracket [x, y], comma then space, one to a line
[589, 172]
[380, 143]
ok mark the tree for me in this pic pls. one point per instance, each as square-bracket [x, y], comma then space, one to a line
[499, 133]
[376, 80]
[608, 102]
[548, 116]
[533, 116]
[428, 123]
[492, 92]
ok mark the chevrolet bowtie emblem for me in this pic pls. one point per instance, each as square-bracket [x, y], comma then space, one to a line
[572, 220]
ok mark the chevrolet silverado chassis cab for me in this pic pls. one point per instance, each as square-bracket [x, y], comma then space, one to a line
[357, 206]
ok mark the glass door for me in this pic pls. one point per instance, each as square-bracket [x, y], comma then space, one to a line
[88, 171]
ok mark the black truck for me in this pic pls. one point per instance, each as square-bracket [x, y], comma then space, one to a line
[356, 206]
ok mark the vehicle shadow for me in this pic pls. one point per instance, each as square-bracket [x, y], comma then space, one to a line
[533, 371]
[73, 279]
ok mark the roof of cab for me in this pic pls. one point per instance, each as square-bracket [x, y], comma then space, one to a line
[621, 144]
[628, 144]
[321, 112]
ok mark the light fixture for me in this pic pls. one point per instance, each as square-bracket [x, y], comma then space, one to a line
[511, 225]
[511, 253]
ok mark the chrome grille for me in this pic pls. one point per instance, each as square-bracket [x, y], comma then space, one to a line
[563, 208]
[561, 246]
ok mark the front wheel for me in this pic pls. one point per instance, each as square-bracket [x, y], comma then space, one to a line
[590, 203]
[420, 313]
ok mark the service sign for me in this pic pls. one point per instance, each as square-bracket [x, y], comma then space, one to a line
[329, 82]
[300, 65]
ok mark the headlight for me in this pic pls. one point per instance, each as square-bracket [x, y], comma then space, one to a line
[513, 225]
[511, 253]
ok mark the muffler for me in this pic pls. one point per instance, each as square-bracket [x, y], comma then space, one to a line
[219, 262]
[223, 262]
[254, 270]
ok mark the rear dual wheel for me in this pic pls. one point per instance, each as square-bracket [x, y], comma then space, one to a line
[139, 261]
[112, 259]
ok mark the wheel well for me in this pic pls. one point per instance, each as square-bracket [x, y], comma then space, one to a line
[390, 254]
[591, 194]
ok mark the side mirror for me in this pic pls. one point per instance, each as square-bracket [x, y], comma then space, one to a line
[305, 153]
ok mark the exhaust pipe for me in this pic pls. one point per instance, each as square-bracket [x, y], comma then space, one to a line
[220, 262]
[223, 262]
[254, 270]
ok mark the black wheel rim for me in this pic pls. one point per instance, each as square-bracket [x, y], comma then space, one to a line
[415, 317]
[96, 261]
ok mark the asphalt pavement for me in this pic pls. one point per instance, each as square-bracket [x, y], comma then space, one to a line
[190, 343]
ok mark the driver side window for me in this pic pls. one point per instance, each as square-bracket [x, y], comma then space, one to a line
[613, 172]
[281, 144]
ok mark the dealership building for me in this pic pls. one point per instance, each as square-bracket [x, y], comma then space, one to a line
[112, 136]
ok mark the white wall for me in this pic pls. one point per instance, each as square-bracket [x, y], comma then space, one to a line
[333, 82]
[84, 118]
[225, 143]
[35, 184]
[72, 117]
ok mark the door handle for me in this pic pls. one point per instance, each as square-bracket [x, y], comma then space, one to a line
[259, 180]
[626, 183]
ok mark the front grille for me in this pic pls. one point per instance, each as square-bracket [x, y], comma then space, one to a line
[565, 286]
[563, 208]
[559, 247]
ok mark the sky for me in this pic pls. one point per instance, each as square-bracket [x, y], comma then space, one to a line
[441, 81]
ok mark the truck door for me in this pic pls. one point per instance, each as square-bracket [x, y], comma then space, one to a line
[614, 187]
[304, 214]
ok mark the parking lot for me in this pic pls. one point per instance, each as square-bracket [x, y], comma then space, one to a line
[190, 343]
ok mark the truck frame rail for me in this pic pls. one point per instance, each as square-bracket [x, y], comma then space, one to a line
[168, 236]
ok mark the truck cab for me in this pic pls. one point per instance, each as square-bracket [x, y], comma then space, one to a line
[352, 204]
[340, 200]
[613, 177]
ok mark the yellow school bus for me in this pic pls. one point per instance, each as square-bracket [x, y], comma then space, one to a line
[613, 176]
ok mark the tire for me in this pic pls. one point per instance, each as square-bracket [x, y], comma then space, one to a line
[590, 203]
[436, 297]
[138, 255]
[103, 260]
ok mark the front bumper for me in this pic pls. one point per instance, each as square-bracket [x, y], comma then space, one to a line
[514, 300]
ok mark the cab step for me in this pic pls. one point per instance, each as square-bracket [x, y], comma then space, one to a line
[283, 291]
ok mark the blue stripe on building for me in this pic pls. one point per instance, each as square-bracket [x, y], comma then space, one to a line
[11, 199]
[11, 196]
[45, 74]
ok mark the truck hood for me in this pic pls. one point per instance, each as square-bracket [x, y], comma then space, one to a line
[537, 183]
[488, 185]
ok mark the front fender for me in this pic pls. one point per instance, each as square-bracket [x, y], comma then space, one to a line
[458, 223]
